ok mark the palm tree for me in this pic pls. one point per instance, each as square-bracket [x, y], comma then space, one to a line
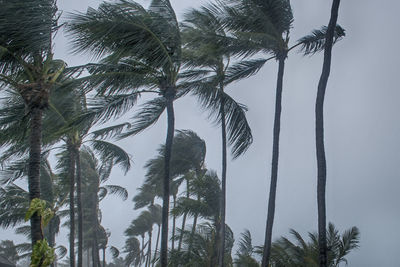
[319, 134]
[28, 69]
[285, 253]
[143, 49]
[64, 122]
[187, 162]
[264, 26]
[207, 50]
[203, 244]
[205, 205]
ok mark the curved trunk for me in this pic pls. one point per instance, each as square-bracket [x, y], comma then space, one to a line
[169, 97]
[71, 175]
[221, 234]
[274, 168]
[158, 239]
[80, 209]
[319, 134]
[35, 150]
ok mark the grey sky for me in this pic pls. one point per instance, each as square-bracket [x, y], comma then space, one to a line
[361, 126]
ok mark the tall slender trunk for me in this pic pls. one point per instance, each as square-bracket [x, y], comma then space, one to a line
[173, 223]
[184, 217]
[319, 133]
[35, 151]
[143, 247]
[95, 252]
[88, 257]
[71, 176]
[149, 249]
[169, 97]
[80, 209]
[52, 238]
[275, 158]
[104, 256]
[158, 239]
[196, 215]
[221, 234]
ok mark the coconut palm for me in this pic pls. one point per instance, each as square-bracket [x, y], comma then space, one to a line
[264, 26]
[319, 134]
[203, 248]
[286, 253]
[207, 51]
[187, 158]
[205, 204]
[141, 50]
[66, 107]
[28, 69]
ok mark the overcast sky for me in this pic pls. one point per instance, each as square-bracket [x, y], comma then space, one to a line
[361, 126]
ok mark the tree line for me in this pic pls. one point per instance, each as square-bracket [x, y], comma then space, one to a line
[48, 106]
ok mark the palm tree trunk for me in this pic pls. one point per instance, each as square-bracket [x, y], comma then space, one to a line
[80, 209]
[155, 252]
[275, 158]
[169, 97]
[319, 133]
[104, 257]
[35, 150]
[184, 217]
[71, 175]
[149, 249]
[173, 223]
[142, 251]
[221, 234]
[193, 229]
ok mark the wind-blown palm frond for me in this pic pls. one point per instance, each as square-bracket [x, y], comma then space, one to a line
[305, 253]
[245, 251]
[146, 33]
[114, 252]
[111, 131]
[14, 202]
[109, 151]
[244, 69]
[315, 42]
[239, 131]
[116, 190]
[147, 116]
[25, 29]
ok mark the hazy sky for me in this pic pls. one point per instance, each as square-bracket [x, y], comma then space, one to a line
[361, 126]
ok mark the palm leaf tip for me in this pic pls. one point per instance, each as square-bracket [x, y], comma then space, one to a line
[315, 42]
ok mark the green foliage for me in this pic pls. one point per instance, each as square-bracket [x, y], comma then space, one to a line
[42, 255]
[39, 206]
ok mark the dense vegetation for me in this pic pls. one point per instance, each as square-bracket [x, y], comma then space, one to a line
[73, 115]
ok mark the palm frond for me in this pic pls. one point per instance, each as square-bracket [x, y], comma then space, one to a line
[244, 69]
[239, 131]
[108, 151]
[315, 42]
[147, 116]
[146, 34]
[114, 252]
[117, 190]
[111, 131]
